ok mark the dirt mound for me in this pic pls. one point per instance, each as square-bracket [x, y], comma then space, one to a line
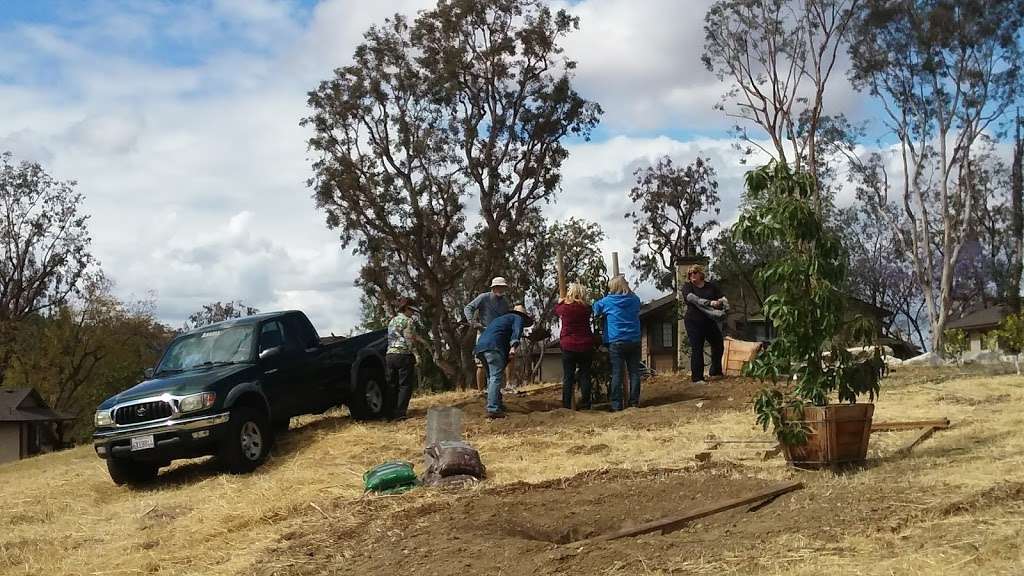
[520, 528]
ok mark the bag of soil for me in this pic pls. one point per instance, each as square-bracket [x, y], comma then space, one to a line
[394, 476]
[457, 481]
[453, 459]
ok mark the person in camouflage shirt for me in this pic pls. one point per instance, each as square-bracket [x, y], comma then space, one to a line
[401, 362]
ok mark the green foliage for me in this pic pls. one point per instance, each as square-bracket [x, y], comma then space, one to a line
[954, 343]
[85, 350]
[44, 246]
[1010, 334]
[674, 207]
[805, 304]
[218, 312]
[536, 274]
[464, 105]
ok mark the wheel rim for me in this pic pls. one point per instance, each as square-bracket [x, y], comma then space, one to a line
[252, 441]
[374, 396]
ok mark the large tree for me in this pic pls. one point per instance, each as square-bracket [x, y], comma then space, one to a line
[44, 242]
[467, 105]
[218, 312]
[880, 272]
[779, 56]
[86, 349]
[944, 73]
[1016, 219]
[674, 208]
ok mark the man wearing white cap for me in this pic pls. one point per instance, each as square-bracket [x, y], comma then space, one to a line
[481, 311]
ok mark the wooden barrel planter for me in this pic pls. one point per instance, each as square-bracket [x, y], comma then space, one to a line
[838, 436]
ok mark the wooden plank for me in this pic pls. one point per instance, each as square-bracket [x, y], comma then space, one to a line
[560, 265]
[673, 523]
[741, 441]
[560, 262]
[906, 448]
[941, 424]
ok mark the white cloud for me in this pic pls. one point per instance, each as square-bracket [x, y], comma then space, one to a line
[642, 62]
[180, 122]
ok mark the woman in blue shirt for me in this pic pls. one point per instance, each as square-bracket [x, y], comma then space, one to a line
[621, 311]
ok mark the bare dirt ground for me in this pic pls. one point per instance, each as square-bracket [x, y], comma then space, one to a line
[955, 505]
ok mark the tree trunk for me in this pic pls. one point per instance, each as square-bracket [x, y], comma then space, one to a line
[1016, 224]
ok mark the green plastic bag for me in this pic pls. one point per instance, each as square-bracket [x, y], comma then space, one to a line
[391, 477]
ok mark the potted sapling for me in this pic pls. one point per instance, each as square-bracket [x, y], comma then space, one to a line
[811, 402]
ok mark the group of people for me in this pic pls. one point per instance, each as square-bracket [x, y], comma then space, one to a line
[500, 329]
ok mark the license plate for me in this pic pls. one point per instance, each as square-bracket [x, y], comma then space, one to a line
[142, 443]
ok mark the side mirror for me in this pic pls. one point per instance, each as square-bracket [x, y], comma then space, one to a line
[148, 373]
[271, 353]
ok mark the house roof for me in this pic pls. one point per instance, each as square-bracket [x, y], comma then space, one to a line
[13, 408]
[983, 318]
[657, 304]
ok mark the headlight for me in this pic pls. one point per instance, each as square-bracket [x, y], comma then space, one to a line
[103, 418]
[196, 402]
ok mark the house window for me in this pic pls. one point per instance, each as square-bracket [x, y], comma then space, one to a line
[667, 328]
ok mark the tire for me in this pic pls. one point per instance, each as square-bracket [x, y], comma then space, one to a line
[131, 472]
[246, 440]
[369, 397]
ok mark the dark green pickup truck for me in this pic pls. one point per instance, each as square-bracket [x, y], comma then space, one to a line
[227, 388]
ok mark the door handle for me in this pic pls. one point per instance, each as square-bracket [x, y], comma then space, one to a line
[271, 371]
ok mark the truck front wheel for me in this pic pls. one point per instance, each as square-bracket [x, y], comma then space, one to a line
[130, 472]
[367, 402]
[246, 440]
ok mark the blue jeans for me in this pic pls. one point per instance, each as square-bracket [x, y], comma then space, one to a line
[494, 363]
[627, 353]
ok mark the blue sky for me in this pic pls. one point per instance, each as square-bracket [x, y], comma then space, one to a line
[180, 120]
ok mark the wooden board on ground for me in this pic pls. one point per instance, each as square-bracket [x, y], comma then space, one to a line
[941, 423]
[737, 354]
[906, 448]
[673, 523]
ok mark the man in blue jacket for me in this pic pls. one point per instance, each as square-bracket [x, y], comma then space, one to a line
[484, 309]
[621, 311]
[500, 341]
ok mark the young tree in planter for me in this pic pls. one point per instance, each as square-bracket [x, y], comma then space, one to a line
[805, 305]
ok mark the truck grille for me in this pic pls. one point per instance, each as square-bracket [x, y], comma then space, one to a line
[143, 412]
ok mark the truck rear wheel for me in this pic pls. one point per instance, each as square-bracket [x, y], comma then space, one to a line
[246, 440]
[130, 472]
[368, 397]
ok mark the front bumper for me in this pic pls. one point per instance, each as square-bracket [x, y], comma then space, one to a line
[178, 438]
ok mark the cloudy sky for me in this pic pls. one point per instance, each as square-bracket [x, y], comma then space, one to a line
[179, 120]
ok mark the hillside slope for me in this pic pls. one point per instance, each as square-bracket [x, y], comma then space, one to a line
[955, 505]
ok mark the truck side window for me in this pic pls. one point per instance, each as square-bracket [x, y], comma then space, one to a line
[271, 335]
[302, 333]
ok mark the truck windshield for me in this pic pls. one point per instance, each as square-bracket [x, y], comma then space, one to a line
[212, 347]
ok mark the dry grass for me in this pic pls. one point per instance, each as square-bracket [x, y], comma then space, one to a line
[953, 506]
